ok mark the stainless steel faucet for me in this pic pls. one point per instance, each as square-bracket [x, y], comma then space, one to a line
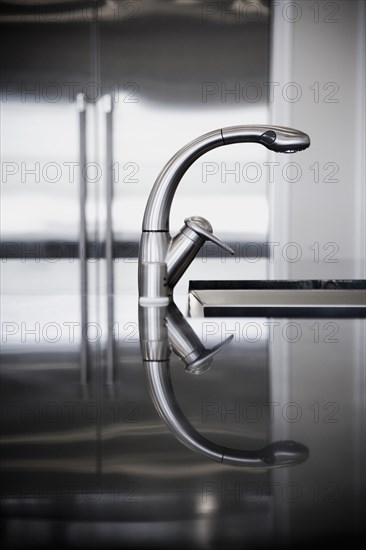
[162, 261]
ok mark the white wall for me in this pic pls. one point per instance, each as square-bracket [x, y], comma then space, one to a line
[306, 212]
[322, 53]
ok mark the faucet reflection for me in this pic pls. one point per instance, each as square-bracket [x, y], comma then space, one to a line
[163, 328]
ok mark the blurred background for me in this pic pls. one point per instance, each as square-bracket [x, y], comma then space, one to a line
[96, 96]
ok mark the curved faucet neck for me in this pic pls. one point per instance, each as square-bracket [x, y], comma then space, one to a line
[158, 207]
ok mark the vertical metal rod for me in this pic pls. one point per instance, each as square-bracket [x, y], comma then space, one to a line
[108, 110]
[95, 131]
[81, 106]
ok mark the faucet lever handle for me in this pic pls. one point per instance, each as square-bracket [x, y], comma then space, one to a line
[195, 224]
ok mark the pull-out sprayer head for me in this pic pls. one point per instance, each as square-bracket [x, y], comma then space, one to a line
[277, 138]
[285, 140]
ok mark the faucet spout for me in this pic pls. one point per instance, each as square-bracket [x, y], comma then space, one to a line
[275, 138]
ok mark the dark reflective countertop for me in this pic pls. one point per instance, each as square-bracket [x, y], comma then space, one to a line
[100, 456]
[93, 464]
